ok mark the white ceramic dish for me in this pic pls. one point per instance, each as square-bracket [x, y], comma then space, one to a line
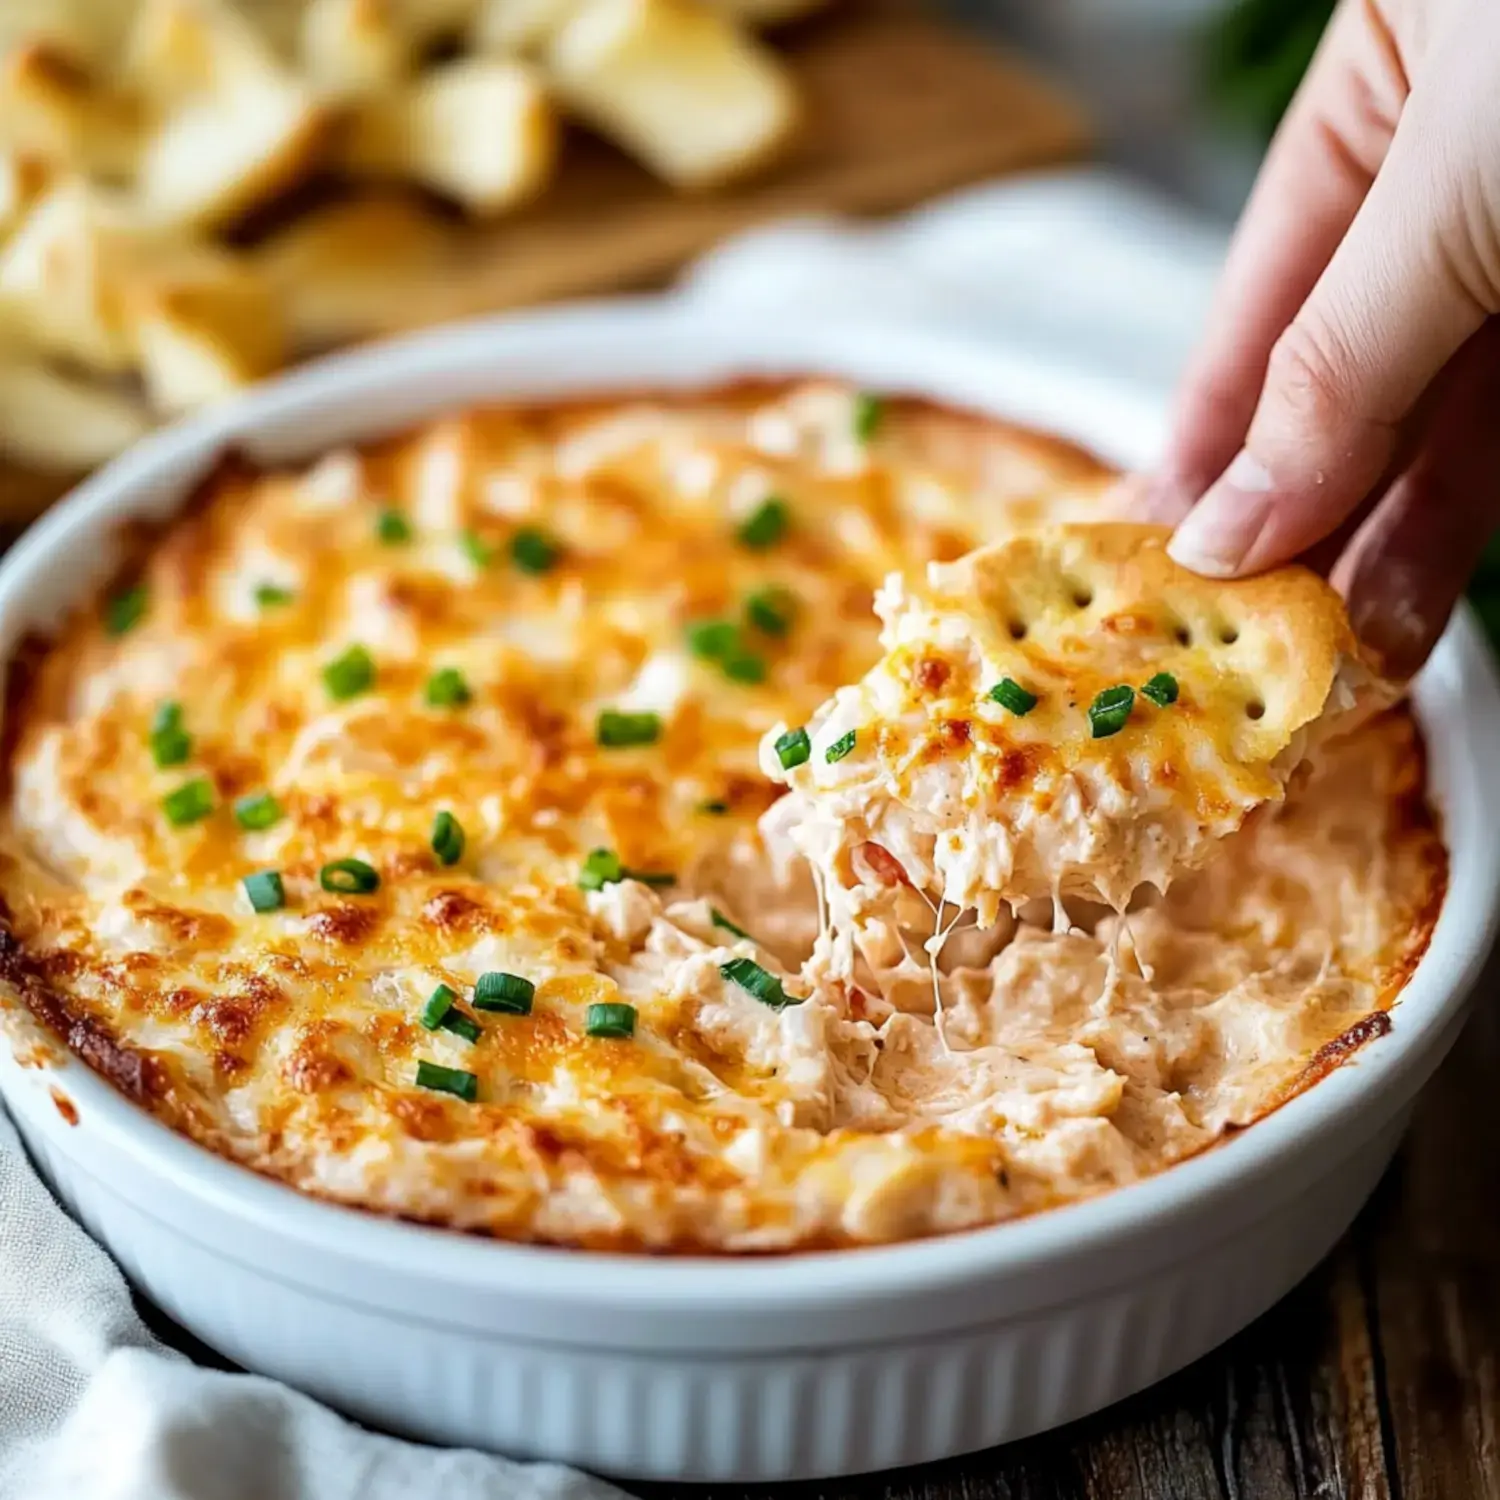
[716, 1369]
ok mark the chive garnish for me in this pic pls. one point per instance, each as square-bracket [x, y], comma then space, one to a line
[714, 807]
[840, 747]
[257, 811]
[1110, 709]
[746, 667]
[772, 610]
[1009, 693]
[720, 920]
[610, 1020]
[1161, 689]
[392, 528]
[793, 748]
[349, 877]
[476, 549]
[124, 612]
[618, 731]
[191, 801]
[265, 890]
[867, 415]
[602, 867]
[759, 982]
[713, 640]
[447, 838]
[504, 992]
[765, 525]
[447, 1080]
[271, 595]
[446, 688]
[439, 1003]
[349, 675]
[533, 551]
[171, 744]
[442, 1011]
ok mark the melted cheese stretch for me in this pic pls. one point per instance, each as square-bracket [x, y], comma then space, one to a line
[289, 1040]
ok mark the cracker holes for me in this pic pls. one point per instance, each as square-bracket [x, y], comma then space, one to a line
[1228, 634]
[1017, 630]
[1255, 709]
[1180, 633]
[1080, 593]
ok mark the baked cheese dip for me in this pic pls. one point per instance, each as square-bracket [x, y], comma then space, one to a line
[395, 826]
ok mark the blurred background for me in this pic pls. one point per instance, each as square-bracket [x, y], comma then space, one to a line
[197, 193]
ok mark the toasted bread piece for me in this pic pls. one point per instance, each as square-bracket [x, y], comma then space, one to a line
[480, 131]
[61, 423]
[215, 158]
[54, 109]
[60, 277]
[338, 271]
[523, 26]
[350, 48]
[202, 329]
[1068, 713]
[678, 85]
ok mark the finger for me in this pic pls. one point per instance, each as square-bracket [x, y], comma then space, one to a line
[1414, 554]
[1396, 302]
[1316, 174]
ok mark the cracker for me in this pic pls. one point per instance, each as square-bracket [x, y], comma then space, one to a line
[1219, 689]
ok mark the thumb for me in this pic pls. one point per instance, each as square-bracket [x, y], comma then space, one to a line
[1411, 281]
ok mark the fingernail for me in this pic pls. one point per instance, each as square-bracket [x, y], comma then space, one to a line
[1162, 499]
[1217, 536]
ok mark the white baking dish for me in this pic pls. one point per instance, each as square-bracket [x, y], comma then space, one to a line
[716, 1369]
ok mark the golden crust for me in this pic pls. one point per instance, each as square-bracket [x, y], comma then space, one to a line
[287, 1041]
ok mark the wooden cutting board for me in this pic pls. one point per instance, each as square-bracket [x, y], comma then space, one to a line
[900, 106]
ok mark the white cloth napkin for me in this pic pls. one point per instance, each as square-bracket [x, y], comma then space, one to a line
[92, 1406]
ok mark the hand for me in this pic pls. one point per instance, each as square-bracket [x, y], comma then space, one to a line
[1346, 401]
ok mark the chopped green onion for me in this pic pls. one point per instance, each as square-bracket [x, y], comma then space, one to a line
[507, 992]
[840, 747]
[714, 807]
[601, 868]
[349, 877]
[772, 610]
[439, 1003]
[1009, 693]
[746, 667]
[759, 982]
[171, 744]
[124, 612]
[720, 920]
[447, 1080]
[349, 675]
[441, 1011]
[461, 1025]
[1110, 709]
[446, 688]
[191, 801]
[1161, 689]
[868, 414]
[257, 811]
[611, 1020]
[793, 748]
[619, 731]
[271, 595]
[265, 890]
[713, 640]
[765, 525]
[447, 838]
[392, 528]
[476, 549]
[533, 551]
[654, 878]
